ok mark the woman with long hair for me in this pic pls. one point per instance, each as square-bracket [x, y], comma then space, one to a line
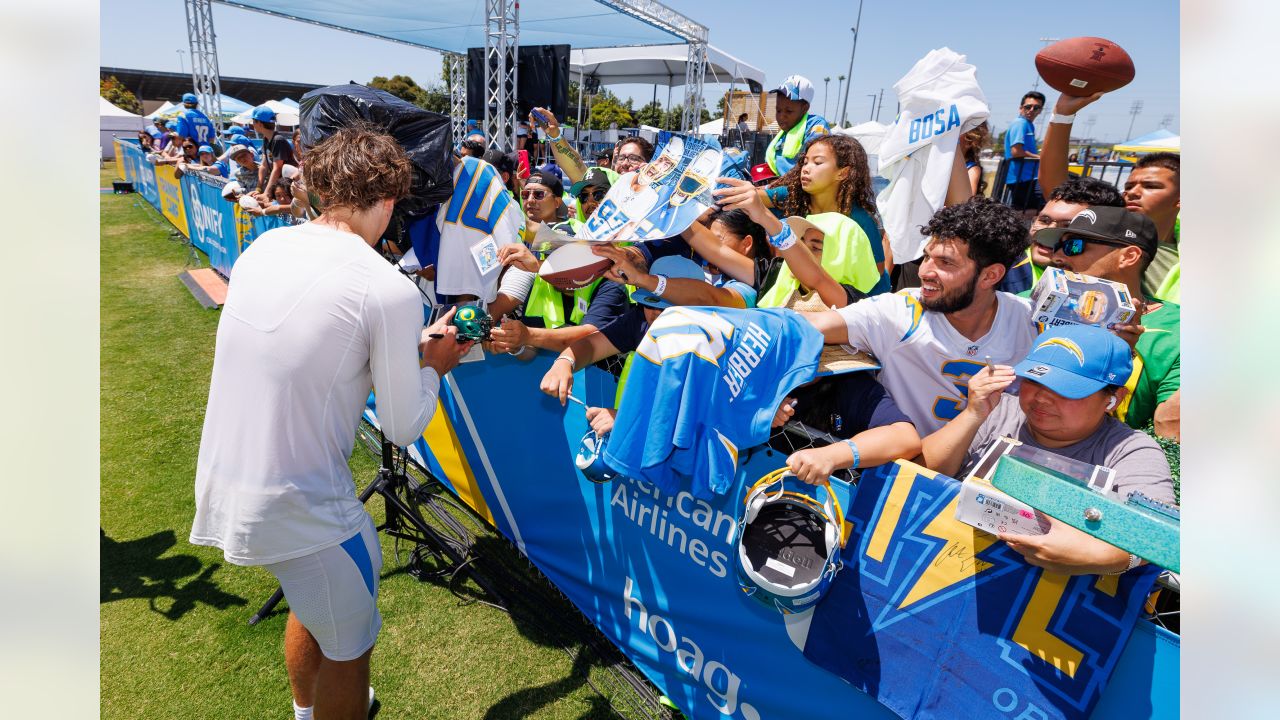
[832, 174]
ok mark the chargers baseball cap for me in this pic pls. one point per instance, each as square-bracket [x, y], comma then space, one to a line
[190, 99]
[673, 266]
[1076, 361]
[796, 87]
[1113, 224]
[595, 177]
[205, 149]
[262, 113]
[547, 179]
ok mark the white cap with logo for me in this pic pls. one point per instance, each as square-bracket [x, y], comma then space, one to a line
[796, 87]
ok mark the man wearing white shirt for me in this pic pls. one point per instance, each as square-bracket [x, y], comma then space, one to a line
[930, 340]
[314, 319]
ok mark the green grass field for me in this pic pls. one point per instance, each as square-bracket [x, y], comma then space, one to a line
[174, 638]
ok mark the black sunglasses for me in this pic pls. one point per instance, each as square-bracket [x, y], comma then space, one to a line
[596, 195]
[1074, 245]
[1032, 106]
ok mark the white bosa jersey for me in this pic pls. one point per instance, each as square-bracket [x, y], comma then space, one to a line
[927, 363]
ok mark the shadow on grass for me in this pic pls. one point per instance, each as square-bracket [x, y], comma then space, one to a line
[544, 617]
[134, 569]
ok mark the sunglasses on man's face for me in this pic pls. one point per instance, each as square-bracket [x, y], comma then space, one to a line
[631, 158]
[1074, 245]
[1032, 106]
[596, 195]
[535, 194]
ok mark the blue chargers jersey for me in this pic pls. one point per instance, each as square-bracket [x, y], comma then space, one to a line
[196, 125]
[704, 385]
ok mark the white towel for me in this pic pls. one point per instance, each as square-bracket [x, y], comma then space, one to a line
[940, 100]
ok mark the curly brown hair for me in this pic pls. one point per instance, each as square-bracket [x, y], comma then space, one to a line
[357, 167]
[854, 189]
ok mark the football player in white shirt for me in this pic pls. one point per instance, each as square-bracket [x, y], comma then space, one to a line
[932, 339]
[314, 319]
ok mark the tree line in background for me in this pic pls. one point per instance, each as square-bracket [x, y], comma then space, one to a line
[605, 107]
[117, 94]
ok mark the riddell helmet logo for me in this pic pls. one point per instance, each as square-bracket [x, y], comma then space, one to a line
[1093, 217]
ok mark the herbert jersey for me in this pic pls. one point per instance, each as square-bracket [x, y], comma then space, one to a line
[720, 374]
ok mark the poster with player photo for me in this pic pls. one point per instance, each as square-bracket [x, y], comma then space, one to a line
[662, 198]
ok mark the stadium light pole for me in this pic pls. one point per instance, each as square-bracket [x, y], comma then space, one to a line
[839, 85]
[873, 106]
[182, 67]
[844, 107]
[1133, 115]
[826, 94]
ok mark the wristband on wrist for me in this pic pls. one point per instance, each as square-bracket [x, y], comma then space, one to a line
[1134, 561]
[661, 287]
[566, 359]
[518, 351]
[784, 239]
[856, 456]
[1061, 119]
[556, 138]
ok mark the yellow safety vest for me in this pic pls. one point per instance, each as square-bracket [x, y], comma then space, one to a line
[791, 142]
[547, 303]
[846, 256]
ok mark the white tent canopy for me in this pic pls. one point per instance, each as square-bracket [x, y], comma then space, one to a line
[114, 121]
[162, 110]
[285, 115]
[657, 65]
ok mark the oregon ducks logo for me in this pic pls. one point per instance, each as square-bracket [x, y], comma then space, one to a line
[467, 314]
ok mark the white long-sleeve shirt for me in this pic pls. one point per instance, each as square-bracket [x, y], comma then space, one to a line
[940, 99]
[314, 319]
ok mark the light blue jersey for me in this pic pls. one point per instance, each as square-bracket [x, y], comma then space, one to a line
[197, 126]
[705, 385]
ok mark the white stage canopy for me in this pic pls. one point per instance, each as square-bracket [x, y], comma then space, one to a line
[455, 25]
[658, 65]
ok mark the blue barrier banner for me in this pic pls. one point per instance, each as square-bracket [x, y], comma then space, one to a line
[211, 219]
[939, 620]
[143, 173]
[655, 572]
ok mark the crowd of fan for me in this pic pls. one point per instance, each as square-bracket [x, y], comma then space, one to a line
[263, 177]
[951, 329]
[970, 288]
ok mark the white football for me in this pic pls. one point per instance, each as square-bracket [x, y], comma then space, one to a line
[573, 266]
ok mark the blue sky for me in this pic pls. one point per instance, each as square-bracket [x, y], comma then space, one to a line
[1000, 37]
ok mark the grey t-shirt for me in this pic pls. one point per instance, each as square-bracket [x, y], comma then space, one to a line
[1137, 460]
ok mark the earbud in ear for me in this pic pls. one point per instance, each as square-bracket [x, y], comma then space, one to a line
[1111, 404]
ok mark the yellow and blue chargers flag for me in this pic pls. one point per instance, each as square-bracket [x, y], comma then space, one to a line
[940, 599]
[703, 387]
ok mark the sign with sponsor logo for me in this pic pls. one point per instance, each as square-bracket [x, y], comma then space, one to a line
[921, 612]
[211, 220]
[171, 204]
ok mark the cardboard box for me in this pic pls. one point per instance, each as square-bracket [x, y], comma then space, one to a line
[1063, 297]
[984, 507]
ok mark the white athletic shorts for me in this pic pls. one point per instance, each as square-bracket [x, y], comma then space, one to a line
[334, 592]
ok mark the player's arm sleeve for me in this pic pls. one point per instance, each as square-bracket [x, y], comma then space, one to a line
[406, 393]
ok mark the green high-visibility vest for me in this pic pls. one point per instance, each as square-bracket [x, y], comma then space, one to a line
[846, 256]
[547, 303]
[791, 142]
